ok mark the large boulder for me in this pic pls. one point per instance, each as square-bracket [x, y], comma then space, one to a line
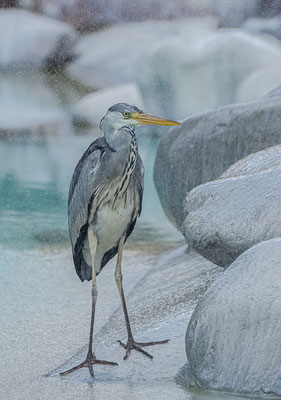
[33, 41]
[233, 337]
[256, 163]
[227, 216]
[205, 145]
[109, 57]
[92, 14]
[180, 77]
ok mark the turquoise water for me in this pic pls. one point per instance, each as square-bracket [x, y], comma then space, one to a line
[34, 186]
[38, 153]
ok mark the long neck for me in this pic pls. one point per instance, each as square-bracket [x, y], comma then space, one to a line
[122, 147]
[112, 136]
[124, 160]
[132, 155]
[128, 170]
[127, 152]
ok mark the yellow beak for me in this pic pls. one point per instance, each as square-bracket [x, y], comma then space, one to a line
[149, 119]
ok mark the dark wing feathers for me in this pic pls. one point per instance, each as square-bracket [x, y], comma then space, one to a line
[98, 145]
[80, 195]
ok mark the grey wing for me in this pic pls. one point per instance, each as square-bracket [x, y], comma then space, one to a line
[138, 181]
[80, 198]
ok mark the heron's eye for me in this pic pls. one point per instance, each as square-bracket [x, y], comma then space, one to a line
[126, 114]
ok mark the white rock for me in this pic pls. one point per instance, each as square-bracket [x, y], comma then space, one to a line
[109, 57]
[26, 102]
[233, 337]
[31, 40]
[92, 107]
[259, 83]
[87, 14]
[183, 77]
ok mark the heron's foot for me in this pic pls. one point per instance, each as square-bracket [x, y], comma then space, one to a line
[88, 363]
[132, 345]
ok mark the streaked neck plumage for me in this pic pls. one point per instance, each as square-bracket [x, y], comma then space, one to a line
[123, 143]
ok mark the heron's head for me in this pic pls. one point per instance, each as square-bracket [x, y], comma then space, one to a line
[123, 114]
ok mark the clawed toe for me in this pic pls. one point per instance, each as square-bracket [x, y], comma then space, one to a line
[153, 343]
[132, 345]
[88, 363]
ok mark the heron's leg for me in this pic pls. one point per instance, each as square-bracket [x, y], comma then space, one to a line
[93, 248]
[131, 343]
[90, 358]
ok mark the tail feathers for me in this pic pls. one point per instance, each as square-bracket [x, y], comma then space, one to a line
[83, 270]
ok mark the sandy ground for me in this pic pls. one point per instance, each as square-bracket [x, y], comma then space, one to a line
[44, 323]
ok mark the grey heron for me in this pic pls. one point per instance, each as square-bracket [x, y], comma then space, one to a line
[105, 199]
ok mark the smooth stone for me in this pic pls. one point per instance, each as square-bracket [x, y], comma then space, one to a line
[255, 163]
[232, 340]
[93, 107]
[274, 93]
[205, 145]
[33, 41]
[227, 216]
[109, 57]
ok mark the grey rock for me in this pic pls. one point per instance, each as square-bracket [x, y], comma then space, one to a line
[274, 93]
[89, 14]
[233, 337]
[255, 163]
[227, 216]
[268, 8]
[109, 57]
[205, 145]
[184, 376]
[232, 14]
[33, 41]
